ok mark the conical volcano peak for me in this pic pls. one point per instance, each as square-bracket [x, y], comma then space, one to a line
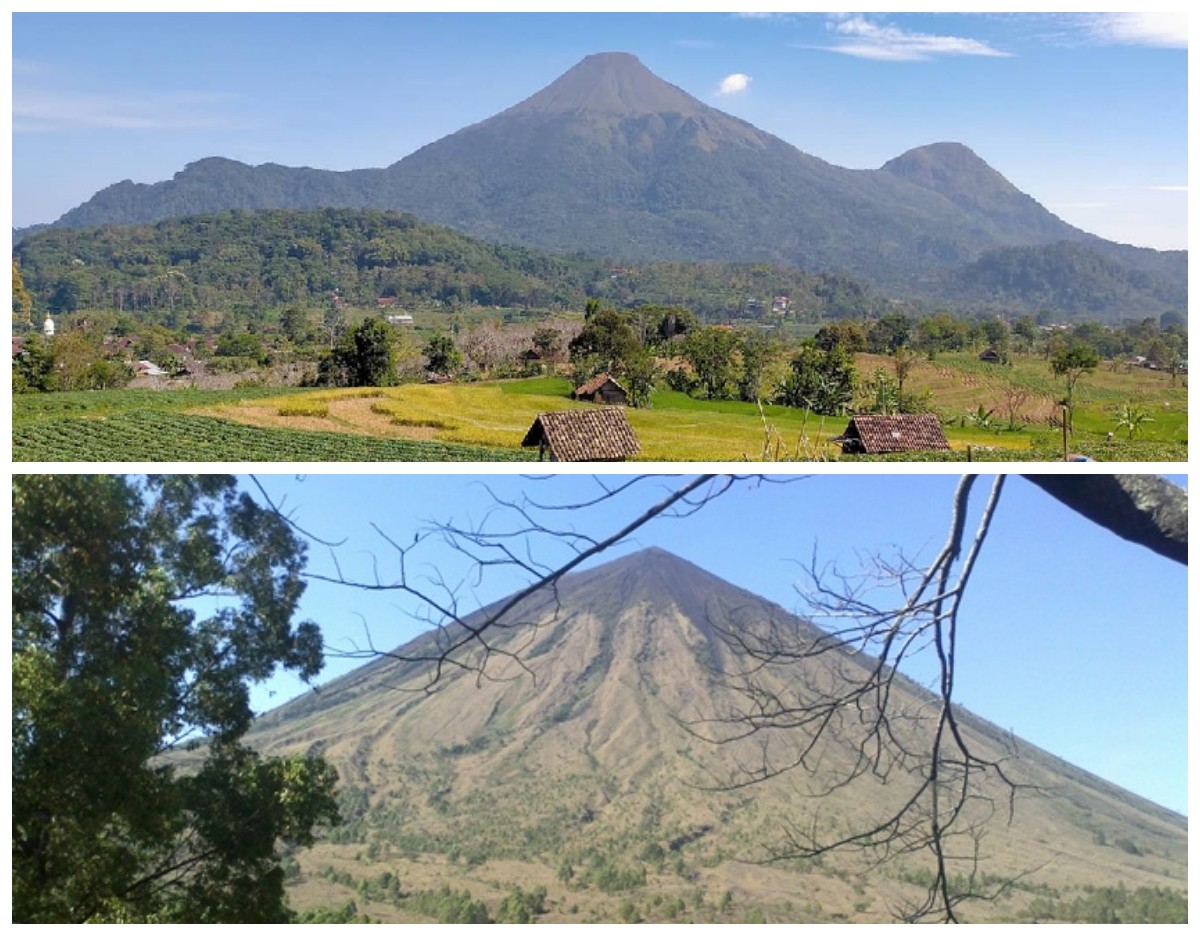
[609, 83]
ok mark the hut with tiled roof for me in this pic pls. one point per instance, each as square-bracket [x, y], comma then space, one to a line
[874, 434]
[583, 435]
[603, 388]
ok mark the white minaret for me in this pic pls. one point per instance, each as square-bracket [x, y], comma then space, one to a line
[48, 327]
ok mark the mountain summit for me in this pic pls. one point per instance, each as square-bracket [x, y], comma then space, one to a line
[612, 160]
[577, 760]
[609, 83]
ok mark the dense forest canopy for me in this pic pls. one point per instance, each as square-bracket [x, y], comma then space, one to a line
[273, 258]
[241, 260]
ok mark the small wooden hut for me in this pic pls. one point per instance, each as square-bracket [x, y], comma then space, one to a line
[583, 435]
[874, 434]
[603, 388]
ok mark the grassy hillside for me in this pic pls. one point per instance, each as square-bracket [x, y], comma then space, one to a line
[573, 773]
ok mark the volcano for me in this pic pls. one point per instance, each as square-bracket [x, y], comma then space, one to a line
[592, 756]
[611, 160]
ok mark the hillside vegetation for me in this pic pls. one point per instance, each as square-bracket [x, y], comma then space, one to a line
[242, 260]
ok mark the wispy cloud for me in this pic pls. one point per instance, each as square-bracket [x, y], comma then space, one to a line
[1168, 188]
[734, 84]
[40, 111]
[1163, 30]
[861, 37]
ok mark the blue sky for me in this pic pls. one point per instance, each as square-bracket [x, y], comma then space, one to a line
[1070, 637]
[1086, 112]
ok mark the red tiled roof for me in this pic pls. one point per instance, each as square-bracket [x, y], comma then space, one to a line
[904, 432]
[584, 435]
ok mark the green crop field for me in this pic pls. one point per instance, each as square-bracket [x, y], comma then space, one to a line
[155, 435]
[487, 421]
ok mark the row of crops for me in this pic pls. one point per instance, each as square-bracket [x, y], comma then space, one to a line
[148, 435]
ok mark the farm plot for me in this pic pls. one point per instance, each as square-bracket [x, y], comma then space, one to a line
[148, 435]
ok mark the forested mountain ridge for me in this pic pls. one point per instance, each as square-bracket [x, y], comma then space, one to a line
[613, 161]
[276, 257]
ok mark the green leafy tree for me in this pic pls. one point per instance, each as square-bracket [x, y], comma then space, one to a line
[888, 332]
[997, 335]
[848, 335]
[294, 325]
[141, 613]
[641, 376]
[822, 381]
[607, 341]
[757, 352]
[710, 351]
[547, 342]
[941, 332]
[33, 368]
[1071, 363]
[361, 358]
[442, 355]
[67, 296]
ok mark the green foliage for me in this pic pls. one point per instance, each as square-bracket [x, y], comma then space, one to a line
[70, 361]
[22, 302]
[821, 381]
[447, 906]
[605, 874]
[347, 913]
[240, 344]
[442, 355]
[114, 664]
[361, 358]
[710, 351]
[1076, 279]
[888, 333]
[151, 435]
[1132, 418]
[1115, 905]
[607, 342]
[628, 912]
[520, 906]
[640, 378]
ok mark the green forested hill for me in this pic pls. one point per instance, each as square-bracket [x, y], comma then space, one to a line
[1079, 279]
[279, 257]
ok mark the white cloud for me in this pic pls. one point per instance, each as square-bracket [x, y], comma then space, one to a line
[734, 84]
[1164, 30]
[864, 38]
[1168, 188]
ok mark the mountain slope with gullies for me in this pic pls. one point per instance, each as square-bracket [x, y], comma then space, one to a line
[611, 160]
[583, 764]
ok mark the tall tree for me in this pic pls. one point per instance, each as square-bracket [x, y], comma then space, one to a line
[1071, 363]
[141, 614]
[710, 351]
[607, 341]
[361, 358]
